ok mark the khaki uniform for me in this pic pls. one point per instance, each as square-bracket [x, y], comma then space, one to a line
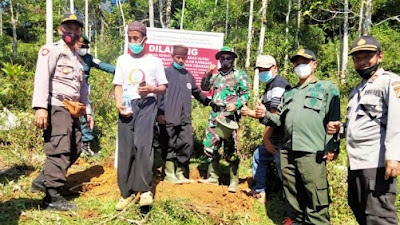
[373, 136]
[304, 112]
[59, 74]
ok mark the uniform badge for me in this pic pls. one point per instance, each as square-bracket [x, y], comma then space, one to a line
[397, 91]
[65, 70]
[373, 78]
[45, 51]
[361, 42]
[189, 86]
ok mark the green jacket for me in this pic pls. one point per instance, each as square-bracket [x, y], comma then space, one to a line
[304, 112]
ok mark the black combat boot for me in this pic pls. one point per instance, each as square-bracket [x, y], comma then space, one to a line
[54, 201]
[38, 184]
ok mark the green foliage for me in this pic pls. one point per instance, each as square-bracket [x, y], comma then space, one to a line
[15, 86]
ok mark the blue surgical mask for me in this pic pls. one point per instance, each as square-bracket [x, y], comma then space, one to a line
[265, 76]
[179, 67]
[136, 48]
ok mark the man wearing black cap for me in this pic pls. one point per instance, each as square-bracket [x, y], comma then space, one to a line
[59, 78]
[373, 136]
[88, 62]
[305, 110]
[175, 112]
[139, 78]
[231, 90]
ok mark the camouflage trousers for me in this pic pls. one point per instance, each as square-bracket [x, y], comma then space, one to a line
[212, 142]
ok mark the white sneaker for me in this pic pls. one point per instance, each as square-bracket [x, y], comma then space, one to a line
[146, 199]
[124, 202]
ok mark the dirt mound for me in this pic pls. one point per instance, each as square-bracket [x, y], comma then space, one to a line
[101, 181]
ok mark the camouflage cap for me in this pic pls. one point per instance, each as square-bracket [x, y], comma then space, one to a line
[71, 17]
[365, 43]
[308, 54]
[225, 50]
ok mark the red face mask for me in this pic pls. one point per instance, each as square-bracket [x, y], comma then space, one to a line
[69, 38]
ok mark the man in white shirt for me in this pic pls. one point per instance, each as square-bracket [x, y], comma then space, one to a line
[139, 78]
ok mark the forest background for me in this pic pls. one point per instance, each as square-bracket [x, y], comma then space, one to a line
[274, 27]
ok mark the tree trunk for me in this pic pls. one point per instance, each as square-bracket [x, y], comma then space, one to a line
[226, 18]
[367, 20]
[286, 65]
[183, 14]
[95, 43]
[360, 23]
[49, 21]
[260, 48]
[168, 13]
[14, 31]
[160, 10]
[151, 13]
[87, 18]
[1, 21]
[345, 41]
[102, 30]
[249, 35]
[122, 14]
[71, 6]
[298, 23]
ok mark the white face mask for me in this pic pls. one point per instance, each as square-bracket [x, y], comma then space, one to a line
[82, 51]
[303, 71]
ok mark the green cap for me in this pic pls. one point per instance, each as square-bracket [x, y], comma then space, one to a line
[84, 39]
[225, 50]
[71, 17]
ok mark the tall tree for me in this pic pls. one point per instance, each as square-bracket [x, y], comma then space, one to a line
[226, 18]
[249, 35]
[182, 15]
[49, 21]
[260, 46]
[71, 6]
[122, 14]
[168, 13]
[160, 11]
[345, 41]
[87, 18]
[14, 31]
[360, 24]
[298, 23]
[151, 13]
[367, 18]
[287, 17]
[1, 21]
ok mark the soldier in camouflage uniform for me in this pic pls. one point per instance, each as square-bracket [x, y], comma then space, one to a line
[231, 90]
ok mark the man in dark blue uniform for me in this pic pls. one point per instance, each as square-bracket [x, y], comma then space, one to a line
[88, 62]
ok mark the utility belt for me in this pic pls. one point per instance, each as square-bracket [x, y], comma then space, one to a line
[76, 109]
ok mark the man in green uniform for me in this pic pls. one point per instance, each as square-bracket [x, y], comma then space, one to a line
[231, 90]
[88, 62]
[304, 112]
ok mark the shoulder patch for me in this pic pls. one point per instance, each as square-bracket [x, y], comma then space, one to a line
[45, 51]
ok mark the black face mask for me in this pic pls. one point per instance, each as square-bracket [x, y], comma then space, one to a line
[226, 63]
[368, 72]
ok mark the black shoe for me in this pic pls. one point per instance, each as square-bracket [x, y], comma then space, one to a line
[38, 184]
[54, 201]
[86, 150]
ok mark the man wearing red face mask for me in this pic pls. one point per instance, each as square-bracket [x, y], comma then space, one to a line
[59, 77]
